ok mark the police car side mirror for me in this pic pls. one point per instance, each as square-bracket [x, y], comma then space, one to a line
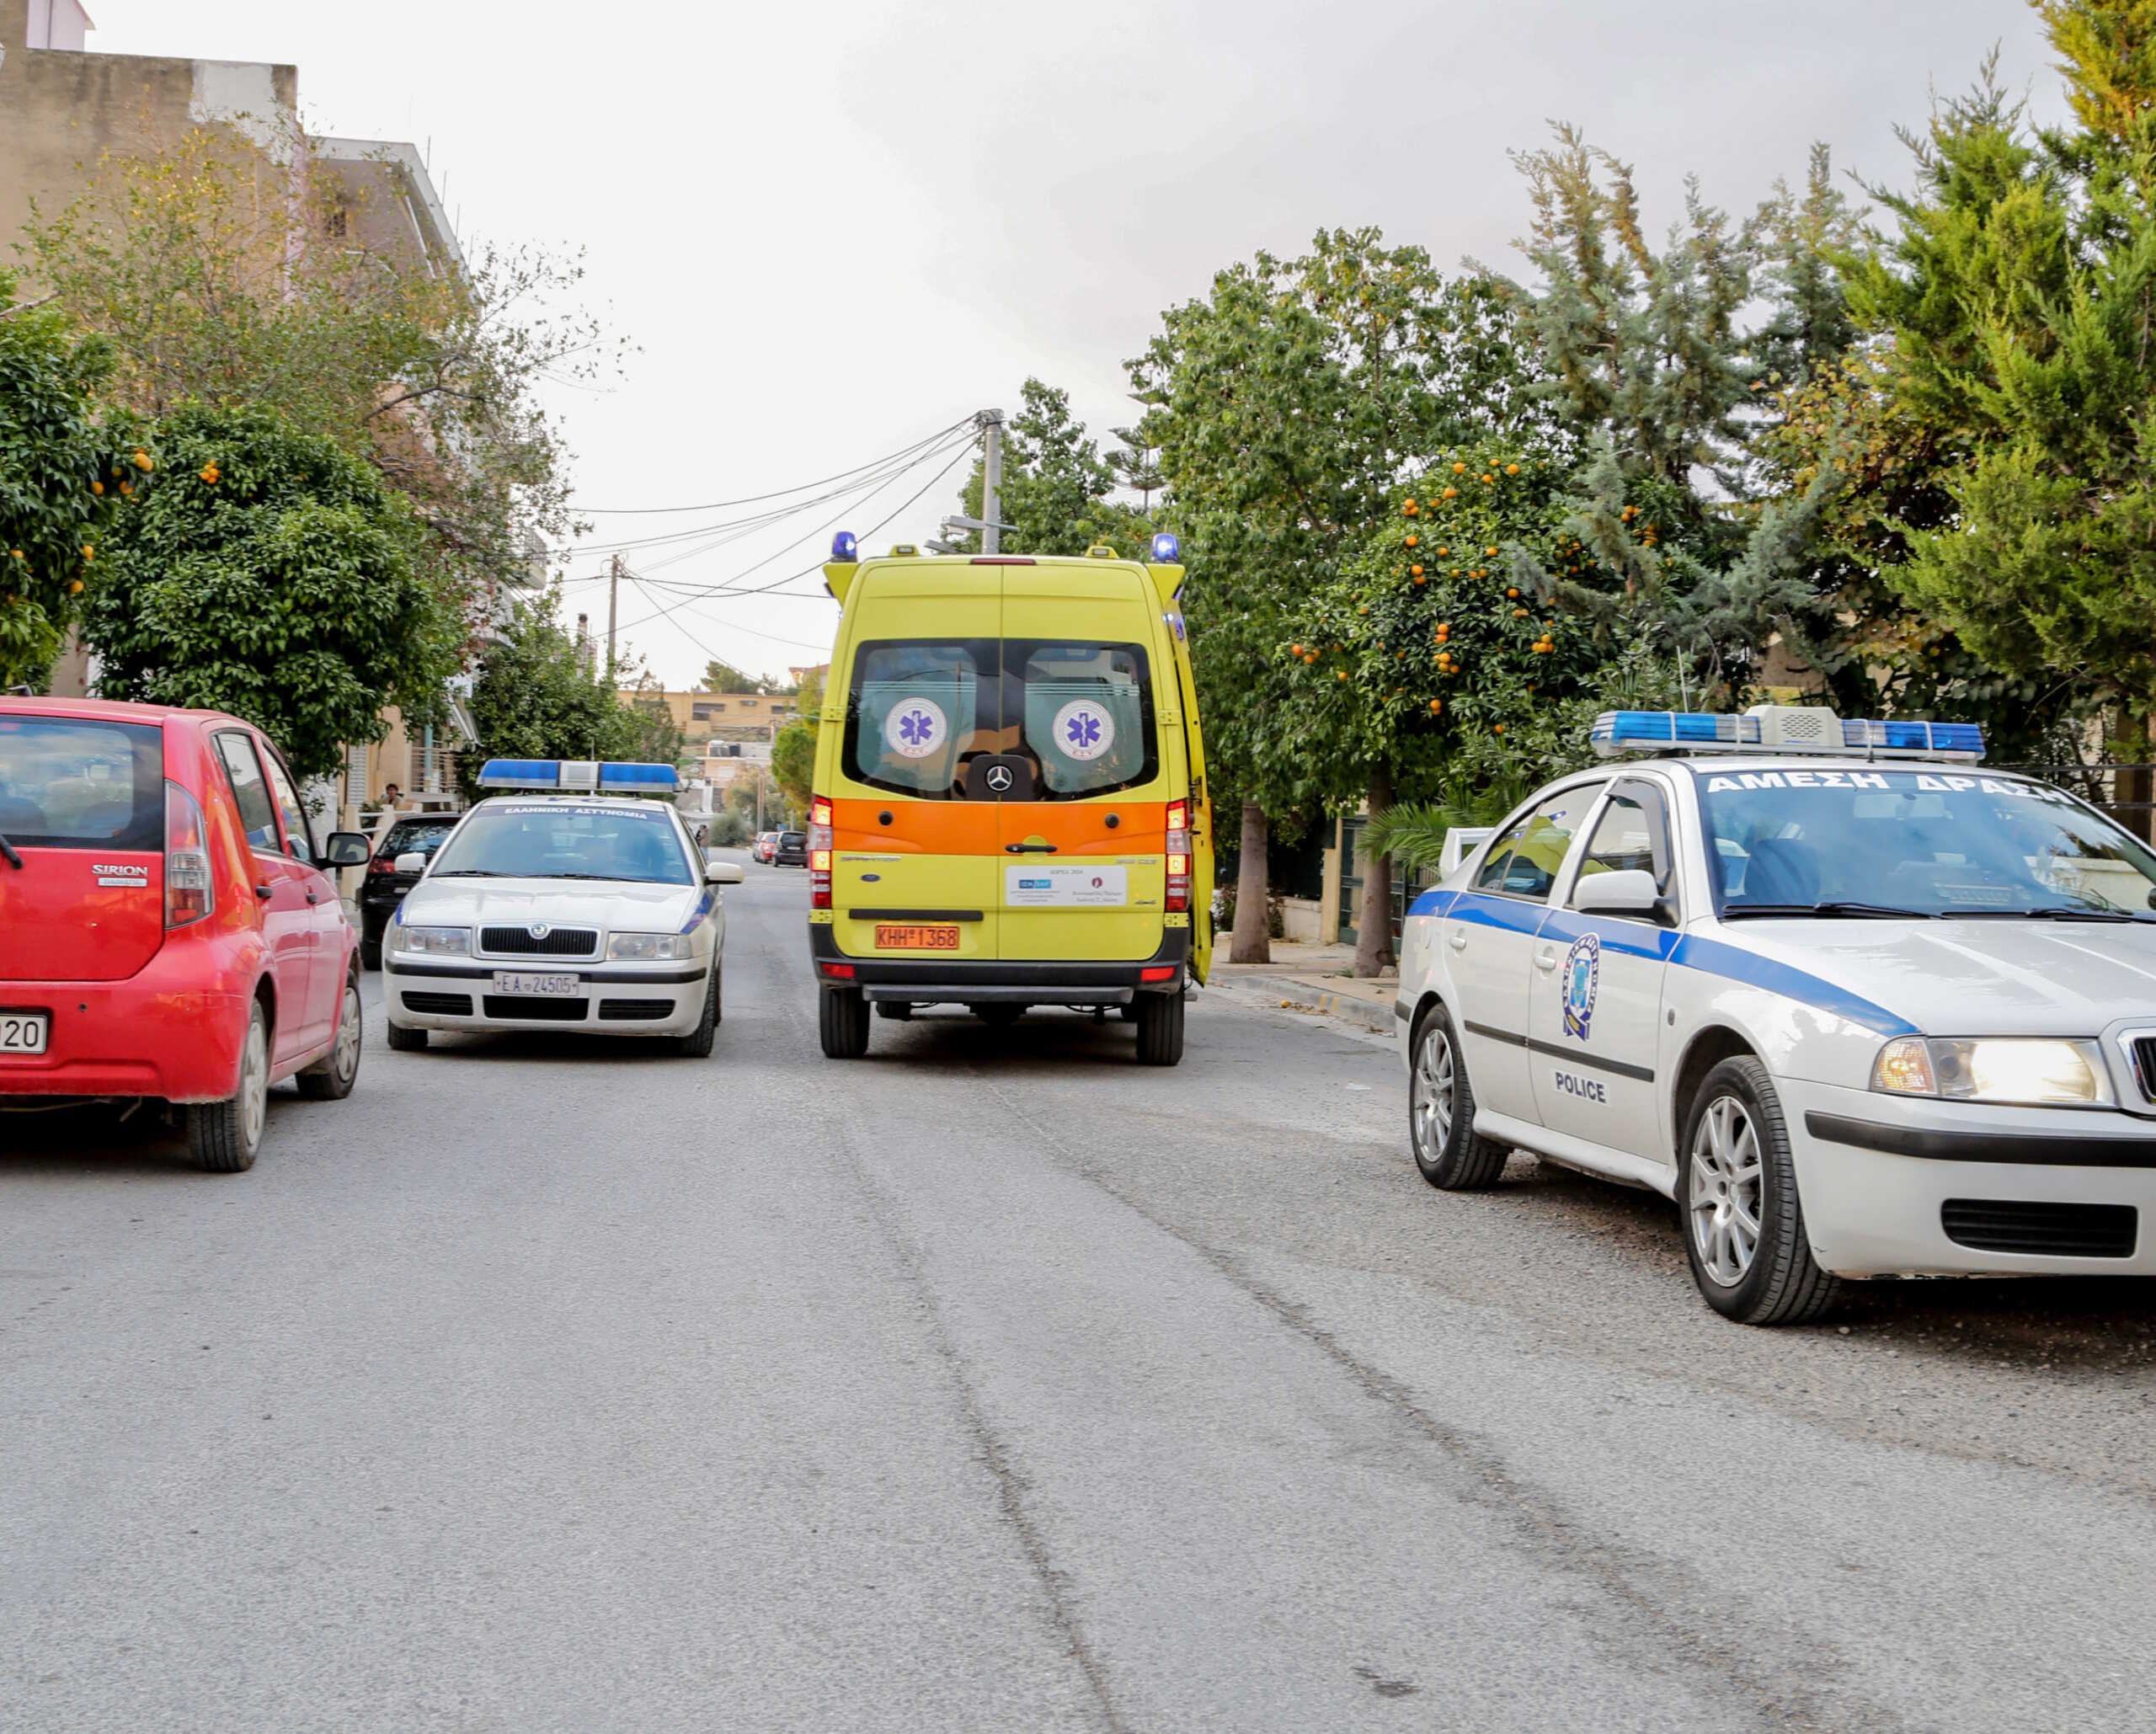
[411, 862]
[1628, 891]
[723, 872]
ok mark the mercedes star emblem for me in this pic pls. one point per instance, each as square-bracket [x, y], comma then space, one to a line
[999, 777]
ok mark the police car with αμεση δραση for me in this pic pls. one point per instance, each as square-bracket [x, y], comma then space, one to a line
[578, 903]
[1859, 1006]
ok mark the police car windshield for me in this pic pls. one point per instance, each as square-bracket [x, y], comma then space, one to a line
[1928, 843]
[532, 841]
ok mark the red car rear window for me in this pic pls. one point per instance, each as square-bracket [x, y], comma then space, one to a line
[70, 782]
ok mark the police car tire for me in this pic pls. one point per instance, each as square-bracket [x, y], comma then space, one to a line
[1468, 1162]
[404, 1041]
[697, 1043]
[1782, 1285]
[842, 1023]
[1159, 1029]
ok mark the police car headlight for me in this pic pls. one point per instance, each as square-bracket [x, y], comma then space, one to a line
[432, 941]
[2032, 1071]
[647, 947]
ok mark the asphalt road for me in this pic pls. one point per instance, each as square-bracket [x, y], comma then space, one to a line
[996, 1382]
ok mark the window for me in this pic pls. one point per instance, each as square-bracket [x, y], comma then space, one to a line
[257, 817]
[1632, 833]
[299, 834]
[704, 713]
[1523, 860]
[1081, 711]
[530, 840]
[70, 784]
[418, 836]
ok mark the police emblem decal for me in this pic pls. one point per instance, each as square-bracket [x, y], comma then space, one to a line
[1582, 978]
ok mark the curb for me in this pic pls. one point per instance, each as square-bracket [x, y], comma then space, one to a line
[1379, 1018]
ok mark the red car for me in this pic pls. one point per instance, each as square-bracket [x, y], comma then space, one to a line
[169, 926]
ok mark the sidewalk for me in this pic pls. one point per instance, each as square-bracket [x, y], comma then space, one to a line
[1317, 978]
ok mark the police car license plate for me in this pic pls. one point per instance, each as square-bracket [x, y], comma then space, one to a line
[910, 937]
[509, 981]
[23, 1031]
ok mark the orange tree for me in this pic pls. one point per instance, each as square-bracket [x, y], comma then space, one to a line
[1441, 639]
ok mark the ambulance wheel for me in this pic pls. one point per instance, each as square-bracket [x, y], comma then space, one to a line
[1159, 1029]
[697, 1043]
[842, 1023]
[894, 1010]
[1441, 1112]
[1737, 1190]
[404, 1041]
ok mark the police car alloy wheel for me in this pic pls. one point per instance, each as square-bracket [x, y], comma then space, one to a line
[1744, 1231]
[1441, 1113]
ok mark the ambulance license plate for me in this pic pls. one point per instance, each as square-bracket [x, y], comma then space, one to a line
[907, 937]
[509, 981]
[23, 1031]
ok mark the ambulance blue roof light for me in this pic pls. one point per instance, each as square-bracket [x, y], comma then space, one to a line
[577, 776]
[845, 548]
[1782, 728]
[1167, 549]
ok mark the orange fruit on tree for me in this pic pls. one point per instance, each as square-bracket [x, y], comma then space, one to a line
[76, 588]
[88, 552]
[1437, 707]
[1459, 469]
[1513, 590]
[1340, 674]
[1412, 540]
[1512, 469]
[97, 488]
[1492, 553]
[1452, 493]
[142, 461]
[1411, 509]
[1414, 572]
[1294, 650]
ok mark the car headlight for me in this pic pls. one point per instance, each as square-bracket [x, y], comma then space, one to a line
[2035, 1071]
[647, 947]
[431, 941]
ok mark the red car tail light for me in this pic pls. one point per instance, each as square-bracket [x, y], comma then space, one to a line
[383, 864]
[190, 892]
[1178, 855]
[819, 853]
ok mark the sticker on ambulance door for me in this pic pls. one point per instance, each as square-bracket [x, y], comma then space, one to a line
[916, 728]
[1084, 730]
[1066, 887]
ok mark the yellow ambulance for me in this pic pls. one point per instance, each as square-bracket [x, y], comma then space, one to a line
[1009, 807]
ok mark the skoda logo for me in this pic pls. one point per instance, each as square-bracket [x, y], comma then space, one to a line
[540, 930]
[999, 777]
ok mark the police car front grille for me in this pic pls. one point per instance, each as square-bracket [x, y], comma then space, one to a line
[2044, 1229]
[560, 942]
[634, 1010]
[440, 1004]
[535, 1007]
[2143, 1049]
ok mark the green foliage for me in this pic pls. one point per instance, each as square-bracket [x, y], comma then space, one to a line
[650, 735]
[65, 470]
[533, 696]
[794, 749]
[722, 676]
[2012, 307]
[729, 829]
[267, 574]
[1057, 486]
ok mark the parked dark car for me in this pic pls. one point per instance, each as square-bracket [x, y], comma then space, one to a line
[384, 887]
[792, 850]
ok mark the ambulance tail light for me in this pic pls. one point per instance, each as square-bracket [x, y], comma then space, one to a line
[191, 891]
[1178, 856]
[819, 853]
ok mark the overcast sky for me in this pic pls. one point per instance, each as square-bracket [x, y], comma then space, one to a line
[833, 229]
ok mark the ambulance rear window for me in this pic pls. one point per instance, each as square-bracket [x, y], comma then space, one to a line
[1079, 712]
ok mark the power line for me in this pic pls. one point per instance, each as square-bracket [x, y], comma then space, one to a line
[752, 499]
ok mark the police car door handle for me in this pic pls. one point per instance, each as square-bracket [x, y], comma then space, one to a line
[1545, 961]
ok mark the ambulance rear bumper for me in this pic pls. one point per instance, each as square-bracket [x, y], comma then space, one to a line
[925, 981]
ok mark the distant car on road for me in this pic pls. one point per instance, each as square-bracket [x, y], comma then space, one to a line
[579, 905]
[384, 887]
[790, 850]
[766, 846]
[170, 930]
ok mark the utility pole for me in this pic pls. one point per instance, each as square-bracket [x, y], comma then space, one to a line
[613, 609]
[991, 481]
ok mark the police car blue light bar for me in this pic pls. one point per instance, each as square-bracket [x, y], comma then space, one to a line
[1782, 728]
[579, 776]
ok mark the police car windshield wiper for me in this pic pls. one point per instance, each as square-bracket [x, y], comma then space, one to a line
[2051, 912]
[1866, 911]
[468, 873]
[570, 875]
